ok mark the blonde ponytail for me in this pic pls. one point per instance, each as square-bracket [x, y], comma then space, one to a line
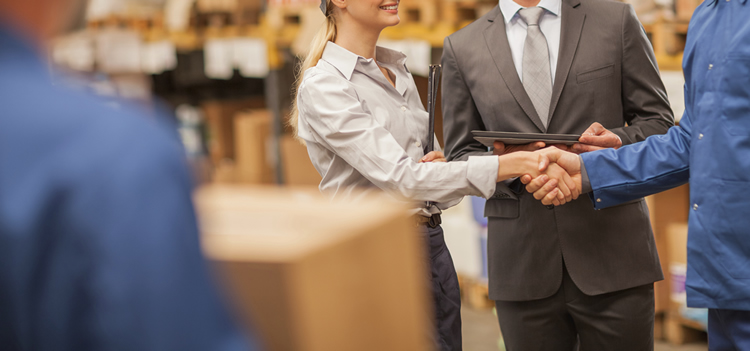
[326, 33]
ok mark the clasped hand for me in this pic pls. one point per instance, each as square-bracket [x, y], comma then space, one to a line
[556, 167]
[552, 182]
[557, 180]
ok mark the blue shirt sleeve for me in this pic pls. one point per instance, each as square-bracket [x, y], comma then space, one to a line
[659, 163]
[116, 262]
[99, 245]
[150, 282]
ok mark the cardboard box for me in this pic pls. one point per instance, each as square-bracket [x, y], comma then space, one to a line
[665, 208]
[220, 121]
[243, 12]
[684, 9]
[678, 237]
[252, 130]
[298, 169]
[316, 275]
[677, 249]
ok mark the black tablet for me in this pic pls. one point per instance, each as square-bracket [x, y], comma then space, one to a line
[511, 138]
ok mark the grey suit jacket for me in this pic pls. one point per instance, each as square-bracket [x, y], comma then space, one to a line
[606, 73]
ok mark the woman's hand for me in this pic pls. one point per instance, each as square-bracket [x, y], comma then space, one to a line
[517, 164]
[433, 156]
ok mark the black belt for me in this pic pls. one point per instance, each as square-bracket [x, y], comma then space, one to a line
[432, 221]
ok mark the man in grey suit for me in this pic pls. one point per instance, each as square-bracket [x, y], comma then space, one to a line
[564, 276]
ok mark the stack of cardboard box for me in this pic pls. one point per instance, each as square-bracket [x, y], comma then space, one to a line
[311, 274]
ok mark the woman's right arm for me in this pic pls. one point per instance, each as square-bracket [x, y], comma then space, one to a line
[334, 116]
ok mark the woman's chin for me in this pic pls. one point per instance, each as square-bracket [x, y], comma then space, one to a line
[393, 22]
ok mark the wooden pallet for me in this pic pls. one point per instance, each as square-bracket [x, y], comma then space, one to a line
[475, 293]
[140, 24]
[684, 9]
[279, 16]
[462, 12]
[230, 12]
[667, 37]
[424, 12]
[679, 330]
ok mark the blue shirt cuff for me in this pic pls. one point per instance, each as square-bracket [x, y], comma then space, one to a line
[585, 182]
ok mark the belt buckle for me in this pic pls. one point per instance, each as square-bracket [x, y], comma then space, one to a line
[434, 221]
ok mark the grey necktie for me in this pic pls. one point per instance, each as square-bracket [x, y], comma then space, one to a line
[537, 79]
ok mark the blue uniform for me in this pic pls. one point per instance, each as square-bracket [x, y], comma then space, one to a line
[99, 245]
[710, 149]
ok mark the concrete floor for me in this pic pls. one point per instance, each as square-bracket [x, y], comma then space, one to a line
[481, 333]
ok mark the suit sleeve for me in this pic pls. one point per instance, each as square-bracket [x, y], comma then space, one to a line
[659, 163]
[461, 116]
[644, 98]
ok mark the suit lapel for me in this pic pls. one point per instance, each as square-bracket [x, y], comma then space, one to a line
[571, 26]
[497, 42]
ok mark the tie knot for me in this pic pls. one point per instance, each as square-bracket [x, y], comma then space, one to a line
[531, 15]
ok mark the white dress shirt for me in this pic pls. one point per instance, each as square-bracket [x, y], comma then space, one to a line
[515, 28]
[362, 133]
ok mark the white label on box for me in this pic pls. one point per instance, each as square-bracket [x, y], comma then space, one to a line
[218, 56]
[75, 51]
[177, 15]
[118, 51]
[158, 57]
[674, 82]
[132, 86]
[250, 56]
[677, 274]
[101, 9]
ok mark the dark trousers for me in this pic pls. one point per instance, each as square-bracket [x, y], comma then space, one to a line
[445, 292]
[728, 330]
[572, 320]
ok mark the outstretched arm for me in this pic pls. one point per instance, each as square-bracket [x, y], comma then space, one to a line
[659, 163]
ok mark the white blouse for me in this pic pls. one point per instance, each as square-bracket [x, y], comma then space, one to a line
[362, 133]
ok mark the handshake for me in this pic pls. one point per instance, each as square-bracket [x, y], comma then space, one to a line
[552, 174]
[557, 178]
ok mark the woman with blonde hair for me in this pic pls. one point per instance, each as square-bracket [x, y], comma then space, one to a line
[359, 113]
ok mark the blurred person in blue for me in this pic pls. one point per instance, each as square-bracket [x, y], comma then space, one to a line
[710, 149]
[99, 247]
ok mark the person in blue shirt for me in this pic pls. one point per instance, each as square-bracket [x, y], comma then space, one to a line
[99, 247]
[710, 149]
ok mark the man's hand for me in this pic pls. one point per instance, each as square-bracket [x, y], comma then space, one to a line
[502, 149]
[596, 137]
[564, 167]
[433, 156]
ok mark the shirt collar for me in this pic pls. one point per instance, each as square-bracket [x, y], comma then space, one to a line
[346, 61]
[710, 3]
[510, 8]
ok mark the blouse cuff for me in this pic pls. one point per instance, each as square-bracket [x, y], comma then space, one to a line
[482, 174]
